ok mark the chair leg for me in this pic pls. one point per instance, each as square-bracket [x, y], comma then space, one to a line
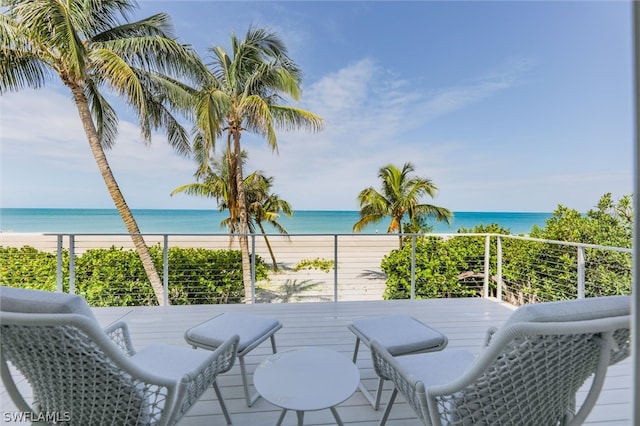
[387, 411]
[379, 394]
[222, 404]
[273, 343]
[355, 350]
[375, 402]
[245, 385]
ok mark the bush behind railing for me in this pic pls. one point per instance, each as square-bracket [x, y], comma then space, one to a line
[531, 270]
[115, 276]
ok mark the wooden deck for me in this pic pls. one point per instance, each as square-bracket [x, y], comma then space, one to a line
[464, 321]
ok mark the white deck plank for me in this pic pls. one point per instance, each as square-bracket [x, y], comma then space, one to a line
[464, 321]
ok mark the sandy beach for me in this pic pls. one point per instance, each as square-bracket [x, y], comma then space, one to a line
[358, 274]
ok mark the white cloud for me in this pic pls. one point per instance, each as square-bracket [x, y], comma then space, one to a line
[372, 118]
[43, 126]
[46, 160]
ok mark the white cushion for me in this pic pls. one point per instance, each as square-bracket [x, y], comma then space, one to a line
[218, 330]
[21, 300]
[437, 368]
[573, 310]
[399, 334]
[169, 361]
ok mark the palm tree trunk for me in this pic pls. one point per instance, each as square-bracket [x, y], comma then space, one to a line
[243, 238]
[118, 199]
[266, 240]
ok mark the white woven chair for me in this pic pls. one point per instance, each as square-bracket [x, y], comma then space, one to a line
[89, 376]
[528, 373]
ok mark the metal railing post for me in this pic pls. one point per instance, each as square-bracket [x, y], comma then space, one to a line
[72, 264]
[335, 267]
[165, 268]
[59, 265]
[499, 268]
[413, 267]
[253, 268]
[581, 272]
[487, 266]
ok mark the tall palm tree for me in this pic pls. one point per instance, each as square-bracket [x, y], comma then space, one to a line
[400, 195]
[91, 46]
[265, 206]
[245, 92]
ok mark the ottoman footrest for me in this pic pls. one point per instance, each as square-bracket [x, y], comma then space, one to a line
[252, 329]
[400, 335]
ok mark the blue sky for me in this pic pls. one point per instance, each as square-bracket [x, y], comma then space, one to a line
[506, 106]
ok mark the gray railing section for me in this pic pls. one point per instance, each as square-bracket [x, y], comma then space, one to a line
[579, 247]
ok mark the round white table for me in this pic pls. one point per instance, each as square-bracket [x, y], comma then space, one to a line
[306, 379]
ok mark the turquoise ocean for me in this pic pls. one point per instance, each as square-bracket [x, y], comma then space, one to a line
[106, 221]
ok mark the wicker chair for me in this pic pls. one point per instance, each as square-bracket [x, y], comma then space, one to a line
[528, 373]
[80, 374]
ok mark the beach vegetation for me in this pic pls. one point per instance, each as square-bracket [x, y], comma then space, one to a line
[444, 268]
[325, 265]
[247, 90]
[20, 266]
[93, 49]
[116, 277]
[400, 195]
[532, 270]
[610, 223]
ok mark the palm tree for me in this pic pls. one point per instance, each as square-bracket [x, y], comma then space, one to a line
[264, 206]
[400, 196]
[218, 181]
[244, 92]
[91, 46]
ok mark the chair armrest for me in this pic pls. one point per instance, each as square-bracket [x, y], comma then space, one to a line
[220, 361]
[195, 382]
[119, 334]
[387, 367]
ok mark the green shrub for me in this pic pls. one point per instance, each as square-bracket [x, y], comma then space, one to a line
[452, 267]
[325, 265]
[438, 267]
[113, 277]
[206, 276]
[28, 267]
[116, 277]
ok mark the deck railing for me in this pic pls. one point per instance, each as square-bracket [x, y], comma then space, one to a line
[334, 267]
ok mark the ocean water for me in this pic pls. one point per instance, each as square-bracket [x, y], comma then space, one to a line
[208, 221]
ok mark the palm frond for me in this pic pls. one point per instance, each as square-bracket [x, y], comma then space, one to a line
[20, 66]
[105, 117]
[291, 118]
[158, 54]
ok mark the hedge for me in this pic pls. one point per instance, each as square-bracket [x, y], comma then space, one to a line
[115, 276]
